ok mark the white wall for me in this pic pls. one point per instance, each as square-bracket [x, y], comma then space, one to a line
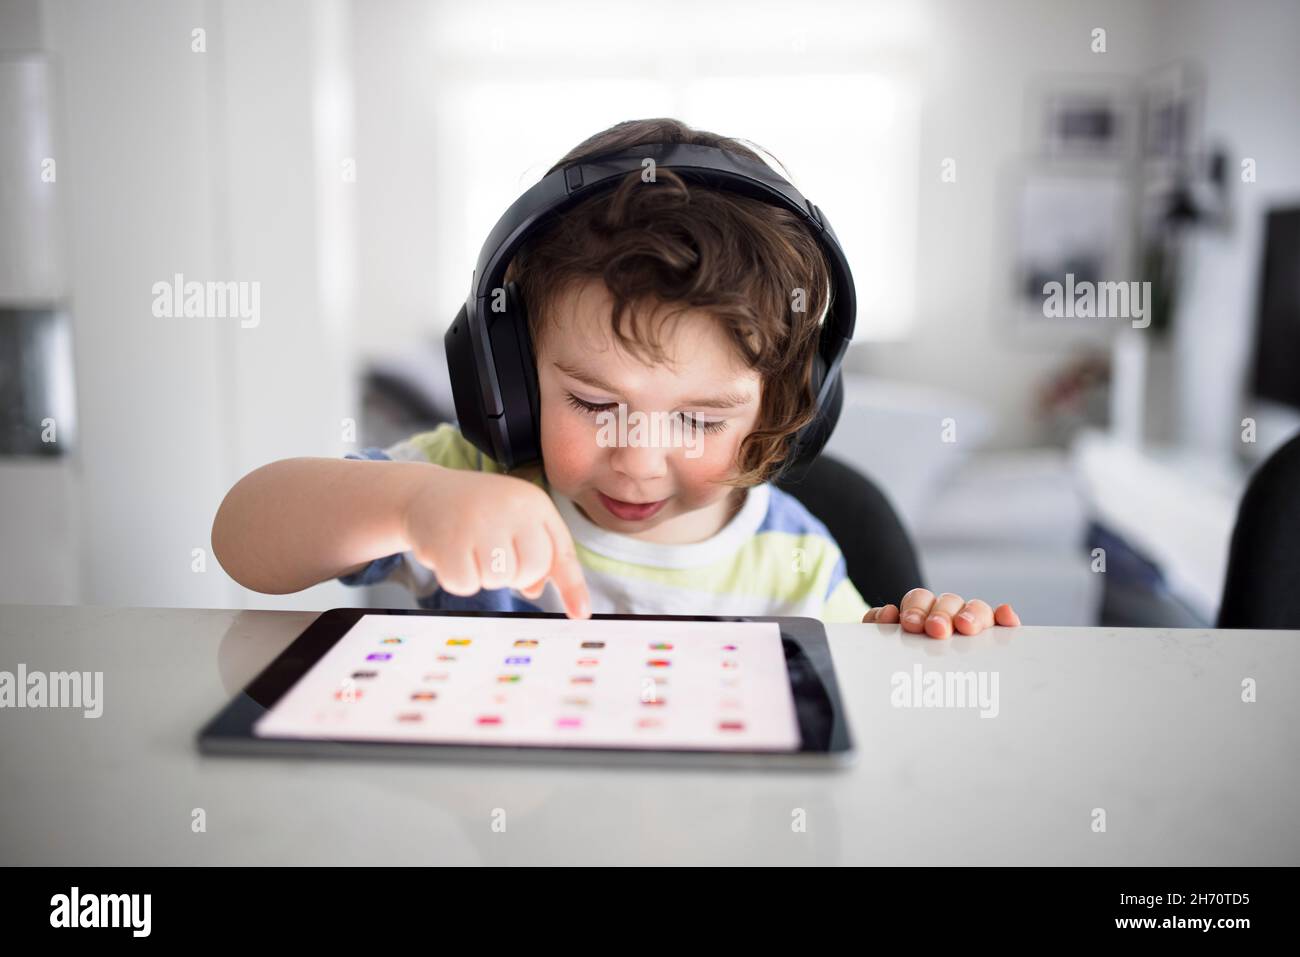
[38, 496]
[984, 60]
[1251, 53]
[985, 56]
[217, 165]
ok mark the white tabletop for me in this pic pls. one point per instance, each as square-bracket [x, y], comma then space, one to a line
[1148, 725]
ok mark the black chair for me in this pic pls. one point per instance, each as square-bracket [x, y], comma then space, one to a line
[1262, 588]
[877, 549]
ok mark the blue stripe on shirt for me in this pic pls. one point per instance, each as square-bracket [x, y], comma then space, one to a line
[785, 513]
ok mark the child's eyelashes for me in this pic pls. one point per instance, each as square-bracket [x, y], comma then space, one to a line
[689, 421]
[583, 405]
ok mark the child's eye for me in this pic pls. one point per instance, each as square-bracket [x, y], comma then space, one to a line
[584, 406]
[690, 421]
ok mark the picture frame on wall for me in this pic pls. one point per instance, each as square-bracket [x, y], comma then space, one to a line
[1069, 226]
[1172, 104]
[1085, 120]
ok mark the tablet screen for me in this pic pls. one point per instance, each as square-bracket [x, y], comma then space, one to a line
[546, 682]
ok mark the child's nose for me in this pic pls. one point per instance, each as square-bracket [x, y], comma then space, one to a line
[642, 463]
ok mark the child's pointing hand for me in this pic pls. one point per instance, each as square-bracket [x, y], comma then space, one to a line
[479, 530]
[940, 616]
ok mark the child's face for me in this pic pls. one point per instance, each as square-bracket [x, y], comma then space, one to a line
[704, 381]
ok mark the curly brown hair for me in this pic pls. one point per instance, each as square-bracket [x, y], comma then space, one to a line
[739, 259]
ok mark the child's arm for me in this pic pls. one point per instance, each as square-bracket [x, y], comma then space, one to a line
[296, 522]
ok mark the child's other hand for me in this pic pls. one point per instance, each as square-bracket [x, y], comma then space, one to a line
[477, 531]
[940, 616]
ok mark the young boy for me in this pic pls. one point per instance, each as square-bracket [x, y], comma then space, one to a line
[668, 301]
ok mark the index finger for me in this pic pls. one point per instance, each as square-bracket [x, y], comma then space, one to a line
[566, 572]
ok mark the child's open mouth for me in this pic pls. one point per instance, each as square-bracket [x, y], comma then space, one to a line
[630, 511]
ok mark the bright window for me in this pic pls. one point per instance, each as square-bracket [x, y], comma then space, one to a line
[841, 115]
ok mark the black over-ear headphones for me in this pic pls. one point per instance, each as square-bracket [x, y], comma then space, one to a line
[489, 349]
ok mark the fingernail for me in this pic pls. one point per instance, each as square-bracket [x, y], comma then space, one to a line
[912, 618]
[967, 617]
[938, 621]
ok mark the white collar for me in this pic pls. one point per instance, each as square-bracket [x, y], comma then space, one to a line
[742, 527]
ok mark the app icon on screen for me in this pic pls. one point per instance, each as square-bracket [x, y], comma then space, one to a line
[378, 656]
[519, 660]
[458, 642]
[593, 644]
[526, 643]
[660, 646]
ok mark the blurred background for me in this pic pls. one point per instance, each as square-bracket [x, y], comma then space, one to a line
[339, 164]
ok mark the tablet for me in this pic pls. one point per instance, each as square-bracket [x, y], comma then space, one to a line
[541, 686]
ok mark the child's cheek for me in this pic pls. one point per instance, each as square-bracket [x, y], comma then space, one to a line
[568, 450]
[715, 461]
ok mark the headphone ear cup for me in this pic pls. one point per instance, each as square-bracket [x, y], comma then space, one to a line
[809, 441]
[463, 365]
[529, 361]
[830, 412]
[516, 367]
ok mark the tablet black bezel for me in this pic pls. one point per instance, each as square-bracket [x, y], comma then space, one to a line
[819, 708]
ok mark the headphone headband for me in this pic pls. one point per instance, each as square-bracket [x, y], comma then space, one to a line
[563, 188]
[710, 165]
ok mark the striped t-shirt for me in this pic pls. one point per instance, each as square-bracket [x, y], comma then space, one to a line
[772, 558]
